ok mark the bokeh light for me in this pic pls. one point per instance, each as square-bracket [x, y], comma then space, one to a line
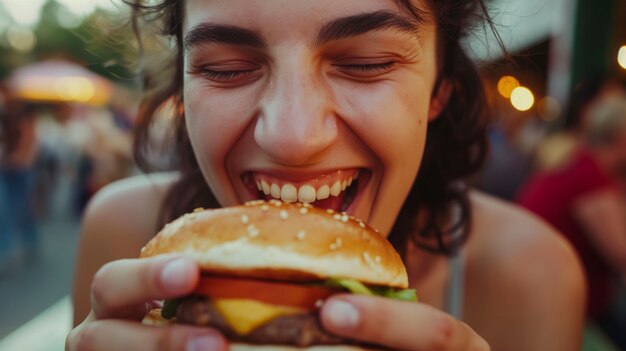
[506, 85]
[74, 89]
[621, 56]
[67, 18]
[21, 39]
[25, 13]
[522, 98]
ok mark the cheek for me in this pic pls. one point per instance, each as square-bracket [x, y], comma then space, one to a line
[215, 120]
[391, 120]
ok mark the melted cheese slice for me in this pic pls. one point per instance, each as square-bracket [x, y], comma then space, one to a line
[244, 315]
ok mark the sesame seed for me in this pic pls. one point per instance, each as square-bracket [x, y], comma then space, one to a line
[253, 231]
[345, 218]
[265, 208]
[306, 204]
[283, 214]
[304, 210]
[377, 259]
[301, 234]
[339, 242]
[361, 224]
[192, 216]
[367, 258]
[245, 219]
[330, 211]
[333, 246]
[198, 209]
[337, 216]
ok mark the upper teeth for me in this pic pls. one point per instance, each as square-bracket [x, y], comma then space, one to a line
[304, 193]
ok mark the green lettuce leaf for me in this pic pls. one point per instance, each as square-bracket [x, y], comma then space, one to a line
[169, 308]
[356, 287]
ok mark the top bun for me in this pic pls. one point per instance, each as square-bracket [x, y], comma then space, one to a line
[276, 240]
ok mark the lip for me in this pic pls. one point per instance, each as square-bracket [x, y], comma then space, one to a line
[307, 177]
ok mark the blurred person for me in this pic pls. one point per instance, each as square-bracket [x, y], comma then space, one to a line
[107, 153]
[582, 196]
[19, 231]
[512, 138]
[588, 93]
[309, 92]
[506, 168]
[557, 148]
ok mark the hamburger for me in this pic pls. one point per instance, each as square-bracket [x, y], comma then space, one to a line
[267, 267]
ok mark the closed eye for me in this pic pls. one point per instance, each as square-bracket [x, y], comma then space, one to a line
[225, 76]
[364, 70]
[371, 67]
[231, 73]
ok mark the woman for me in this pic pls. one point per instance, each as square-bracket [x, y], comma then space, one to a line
[295, 93]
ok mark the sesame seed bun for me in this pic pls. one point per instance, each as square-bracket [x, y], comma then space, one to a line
[275, 240]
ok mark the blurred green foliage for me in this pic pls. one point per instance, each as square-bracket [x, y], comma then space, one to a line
[103, 42]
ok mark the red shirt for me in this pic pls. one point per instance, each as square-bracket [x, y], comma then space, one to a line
[552, 195]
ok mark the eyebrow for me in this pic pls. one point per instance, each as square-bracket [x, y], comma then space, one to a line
[360, 24]
[340, 28]
[223, 34]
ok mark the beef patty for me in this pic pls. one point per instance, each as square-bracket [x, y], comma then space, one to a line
[300, 330]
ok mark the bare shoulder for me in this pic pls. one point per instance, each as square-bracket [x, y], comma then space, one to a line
[509, 235]
[524, 275]
[131, 204]
[118, 221]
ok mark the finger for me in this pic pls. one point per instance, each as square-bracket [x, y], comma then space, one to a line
[397, 324]
[119, 335]
[121, 288]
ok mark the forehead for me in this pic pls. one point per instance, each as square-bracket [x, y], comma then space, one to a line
[291, 16]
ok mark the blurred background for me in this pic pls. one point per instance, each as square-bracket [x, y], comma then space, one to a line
[68, 87]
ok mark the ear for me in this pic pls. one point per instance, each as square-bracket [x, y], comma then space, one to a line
[440, 98]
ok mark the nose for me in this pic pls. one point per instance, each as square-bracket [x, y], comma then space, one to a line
[296, 121]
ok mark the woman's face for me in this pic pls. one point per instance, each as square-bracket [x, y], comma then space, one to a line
[302, 98]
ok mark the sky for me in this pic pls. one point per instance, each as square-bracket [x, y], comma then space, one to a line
[26, 12]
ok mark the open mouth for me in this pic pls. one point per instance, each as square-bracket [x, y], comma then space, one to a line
[334, 190]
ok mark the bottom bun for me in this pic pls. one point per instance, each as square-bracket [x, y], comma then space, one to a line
[250, 347]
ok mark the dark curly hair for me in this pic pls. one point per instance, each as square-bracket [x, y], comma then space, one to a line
[456, 143]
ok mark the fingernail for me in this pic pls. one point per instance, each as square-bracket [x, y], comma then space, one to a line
[204, 343]
[176, 272]
[342, 314]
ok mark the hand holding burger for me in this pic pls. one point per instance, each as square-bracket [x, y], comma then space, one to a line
[122, 289]
[267, 268]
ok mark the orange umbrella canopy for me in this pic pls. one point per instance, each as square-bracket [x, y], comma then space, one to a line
[59, 81]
